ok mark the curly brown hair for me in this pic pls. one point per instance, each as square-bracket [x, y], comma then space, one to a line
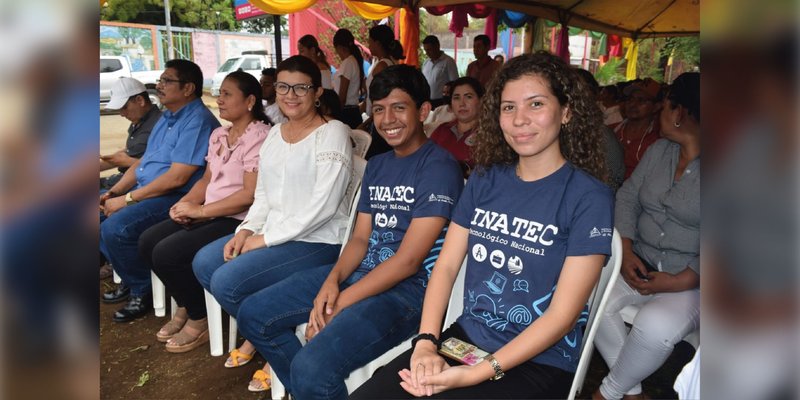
[580, 139]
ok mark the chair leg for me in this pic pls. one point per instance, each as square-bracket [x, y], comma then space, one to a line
[159, 294]
[232, 329]
[277, 388]
[214, 311]
[173, 307]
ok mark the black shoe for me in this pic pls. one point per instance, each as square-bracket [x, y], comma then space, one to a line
[118, 295]
[137, 307]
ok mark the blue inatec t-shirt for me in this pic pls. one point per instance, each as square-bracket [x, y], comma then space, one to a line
[180, 137]
[519, 236]
[395, 189]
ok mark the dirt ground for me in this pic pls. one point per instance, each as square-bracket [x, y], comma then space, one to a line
[134, 365]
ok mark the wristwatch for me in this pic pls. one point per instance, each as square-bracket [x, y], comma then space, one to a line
[129, 199]
[498, 372]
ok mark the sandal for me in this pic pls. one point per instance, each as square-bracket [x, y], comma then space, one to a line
[170, 329]
[184, 341]
[236, 355]
[260, 382]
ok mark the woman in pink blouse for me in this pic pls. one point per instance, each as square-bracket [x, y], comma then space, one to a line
[213, 208]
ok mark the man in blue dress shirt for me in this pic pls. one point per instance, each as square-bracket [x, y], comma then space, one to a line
[173, 162]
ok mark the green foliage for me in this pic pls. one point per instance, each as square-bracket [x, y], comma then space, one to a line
[650, 63]
[200, 14]
[611, 72]
[264, 24]
[686, 49]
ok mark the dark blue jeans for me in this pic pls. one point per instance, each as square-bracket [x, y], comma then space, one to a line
[231, 282]
[356, 336]
[119, 239]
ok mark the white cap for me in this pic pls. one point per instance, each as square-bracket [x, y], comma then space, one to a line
[122, 90]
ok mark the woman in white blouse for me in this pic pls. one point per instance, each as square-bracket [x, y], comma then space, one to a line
[348, 81]
[299, 214]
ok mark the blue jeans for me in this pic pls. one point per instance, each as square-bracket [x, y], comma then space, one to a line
[119, 239]
[357, 335]
[231, 282]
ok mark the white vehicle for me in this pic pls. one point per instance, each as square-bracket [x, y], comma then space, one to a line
[252, 62]
[115, 67]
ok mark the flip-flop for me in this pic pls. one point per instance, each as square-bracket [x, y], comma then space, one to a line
[260, 383]
[236, 355]
[188, 346]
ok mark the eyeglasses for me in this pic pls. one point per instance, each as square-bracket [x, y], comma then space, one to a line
[165, 81]
[300, 89]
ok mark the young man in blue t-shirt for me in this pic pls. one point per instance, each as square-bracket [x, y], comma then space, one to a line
[371, 299]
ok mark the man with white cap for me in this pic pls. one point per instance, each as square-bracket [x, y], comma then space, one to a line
[130, 97]
[173, 162]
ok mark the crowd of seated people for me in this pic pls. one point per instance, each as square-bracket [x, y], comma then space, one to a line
[255, 213]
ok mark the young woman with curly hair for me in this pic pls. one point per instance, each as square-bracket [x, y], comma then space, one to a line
[535, 224]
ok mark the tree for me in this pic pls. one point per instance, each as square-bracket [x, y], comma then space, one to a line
[200, 14]
[263, 24]
[686, 49]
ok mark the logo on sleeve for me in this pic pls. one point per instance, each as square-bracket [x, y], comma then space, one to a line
[440, 198]
[603, 232]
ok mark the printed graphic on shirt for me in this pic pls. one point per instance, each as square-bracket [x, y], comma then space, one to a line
[397, 190]
[484, 307]
[517, 247]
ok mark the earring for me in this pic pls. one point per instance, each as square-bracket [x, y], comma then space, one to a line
[316, 103]
[677, 124]
[249, 109]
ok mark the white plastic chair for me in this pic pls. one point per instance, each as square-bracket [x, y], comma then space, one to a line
[362, 140]
[159, 297]
[214, 310]
[601, 292]
[361, 375]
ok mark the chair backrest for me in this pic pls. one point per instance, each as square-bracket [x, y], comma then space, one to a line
[456, 305]
[361, 140]
[352, 194]
[597, 304]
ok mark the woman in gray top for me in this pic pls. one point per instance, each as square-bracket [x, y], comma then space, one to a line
[658, 216]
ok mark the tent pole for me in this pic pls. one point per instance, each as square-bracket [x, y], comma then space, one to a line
[276, 20]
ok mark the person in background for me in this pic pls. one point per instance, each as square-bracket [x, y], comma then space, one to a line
[610, 104]
[173, 162]
[308, 46]
[483, 68]
[441, 114]
[213, 208]
[349, 78]
[457, 136]
[641, 126]
[369, 300]
[130, 97]
[500, 59]
[526, 282]
[615, 157]
[299, 214]
[658, 217]
[271, 109]
[329, 104]
[438, 69]
[386, 51]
